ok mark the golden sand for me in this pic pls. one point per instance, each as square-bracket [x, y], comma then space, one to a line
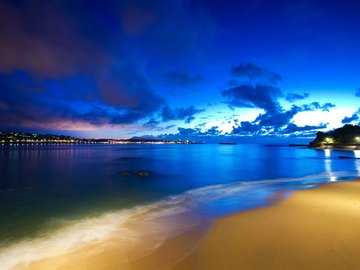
[313, 229]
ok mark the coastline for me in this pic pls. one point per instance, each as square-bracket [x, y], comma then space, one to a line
[312, 229]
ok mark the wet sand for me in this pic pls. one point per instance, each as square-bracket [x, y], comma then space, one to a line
[313, 229]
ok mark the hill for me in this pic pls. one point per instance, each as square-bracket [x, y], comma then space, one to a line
[348, 135]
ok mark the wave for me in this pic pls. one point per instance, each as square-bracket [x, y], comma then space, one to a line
[142, 229]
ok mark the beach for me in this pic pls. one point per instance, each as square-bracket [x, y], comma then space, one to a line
[314, 228]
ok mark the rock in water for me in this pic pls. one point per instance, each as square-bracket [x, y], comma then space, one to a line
[125, 173]
[142, 174]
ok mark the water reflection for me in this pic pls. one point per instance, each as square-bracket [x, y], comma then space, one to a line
[357, 161]
[328, 165]
[328, 169]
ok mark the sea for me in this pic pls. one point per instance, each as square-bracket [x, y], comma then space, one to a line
[58, 197]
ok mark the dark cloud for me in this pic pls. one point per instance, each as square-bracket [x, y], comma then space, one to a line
[192, 133]
[188, 132]
[213, 131]
[54, 38]
[181, 78]
[253, 96]
[186, 114]
[357, 92]
[62, 37]
[274, 119]
[81, 59]
[233, 83]
[255, 73]
[246, 128]
[293, 128]
[279, 118]
[317, 106]
[292, 97]
[170, 126]
[354, 118]
[151, 123]
[49, 105]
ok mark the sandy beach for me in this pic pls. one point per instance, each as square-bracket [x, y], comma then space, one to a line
[313, 229]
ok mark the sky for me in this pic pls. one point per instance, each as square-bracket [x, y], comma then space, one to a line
[181, 69]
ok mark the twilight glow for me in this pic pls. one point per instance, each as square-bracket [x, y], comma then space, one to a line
[179, 69]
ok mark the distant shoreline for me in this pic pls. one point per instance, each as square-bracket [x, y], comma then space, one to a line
[347, 146]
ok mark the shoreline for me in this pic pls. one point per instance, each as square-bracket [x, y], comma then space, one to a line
[312, 229]
[248, 239]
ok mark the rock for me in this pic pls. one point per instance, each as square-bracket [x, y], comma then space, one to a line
[142, 174]
[125, 173]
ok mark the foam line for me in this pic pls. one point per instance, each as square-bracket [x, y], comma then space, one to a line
[155, 222]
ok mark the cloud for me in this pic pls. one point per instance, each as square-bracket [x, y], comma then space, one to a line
[181, 78]
[317, 106]
[152, 123]
[275, 119]
[255, 73]
[188, 132]
[355, 117]
[253, 96]
[357, 92]
[137, 17]
[293, 128]
[186, 114]
[292, 97]
[213, 131]
[80, 59]
[192, 133]
[246, 128]
[25, 102]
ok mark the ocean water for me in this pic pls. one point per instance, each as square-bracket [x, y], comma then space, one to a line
[57, 197]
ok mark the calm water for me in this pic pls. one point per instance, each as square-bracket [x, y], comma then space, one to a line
[43, 188]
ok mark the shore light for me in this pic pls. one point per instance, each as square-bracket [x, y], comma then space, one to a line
[329, 140]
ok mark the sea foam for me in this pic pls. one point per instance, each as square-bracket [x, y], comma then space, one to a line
[129, 228]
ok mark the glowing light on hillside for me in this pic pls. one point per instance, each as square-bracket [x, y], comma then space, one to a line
[329, 140]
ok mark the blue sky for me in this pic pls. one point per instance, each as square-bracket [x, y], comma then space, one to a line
[179, 69]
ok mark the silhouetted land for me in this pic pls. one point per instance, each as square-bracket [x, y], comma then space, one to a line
[346, 137]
